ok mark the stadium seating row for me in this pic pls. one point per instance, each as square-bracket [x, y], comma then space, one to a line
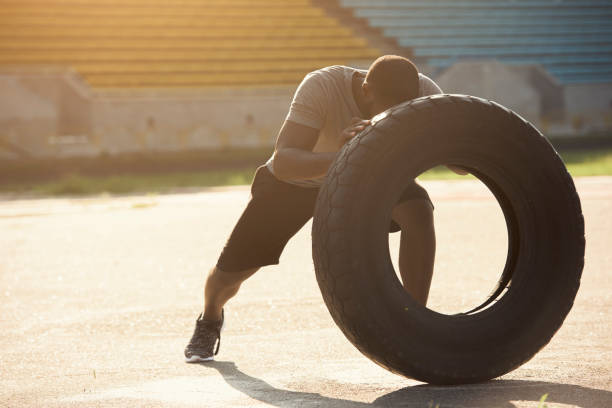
[192, 13]
[484, 13]
[482, 41]
[204, 79]
[161, 22]
[204, 45]
[242, 32]
[179, 43]
[453, 4]
[162, 3]
[245, 56]
[200, 66]
[560, 60]
[572, 39]
[491, 52]
[498, 31]
[492, 21]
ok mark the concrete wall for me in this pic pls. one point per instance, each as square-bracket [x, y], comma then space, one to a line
[551, 92]
[557, 110]
[495, 81]
[589, 106]
[30, 106]
[49, 112]
[214, 120]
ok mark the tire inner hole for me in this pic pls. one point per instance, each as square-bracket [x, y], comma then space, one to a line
[471, 239]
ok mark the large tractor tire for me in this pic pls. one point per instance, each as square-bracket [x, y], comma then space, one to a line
[538, 284]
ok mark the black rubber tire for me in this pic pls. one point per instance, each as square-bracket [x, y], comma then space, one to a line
[545, 236]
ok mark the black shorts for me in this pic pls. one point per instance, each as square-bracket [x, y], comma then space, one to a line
[275, 213]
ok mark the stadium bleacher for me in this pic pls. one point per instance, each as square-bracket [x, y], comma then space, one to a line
[179, 43]
[572, 39]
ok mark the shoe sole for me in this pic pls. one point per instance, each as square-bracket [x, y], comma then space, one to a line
[198, 359]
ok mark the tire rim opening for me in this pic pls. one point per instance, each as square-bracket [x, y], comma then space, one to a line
[471, 239]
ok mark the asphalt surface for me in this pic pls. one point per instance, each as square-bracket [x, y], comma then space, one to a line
[98, 298]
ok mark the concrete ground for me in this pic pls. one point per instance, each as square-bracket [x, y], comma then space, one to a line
[98, 298]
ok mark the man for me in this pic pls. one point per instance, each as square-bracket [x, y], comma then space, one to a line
[325, 113]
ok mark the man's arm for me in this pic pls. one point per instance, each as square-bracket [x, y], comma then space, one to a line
[293, 155]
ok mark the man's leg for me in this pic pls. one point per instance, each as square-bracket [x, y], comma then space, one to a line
[220, 287]
[275, 212]
[417, 246]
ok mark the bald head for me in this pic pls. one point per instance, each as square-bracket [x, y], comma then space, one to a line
[393, 79]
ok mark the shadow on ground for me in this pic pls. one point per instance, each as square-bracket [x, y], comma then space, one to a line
[493, 394]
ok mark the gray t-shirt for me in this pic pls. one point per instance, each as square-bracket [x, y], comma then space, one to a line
[324, 101]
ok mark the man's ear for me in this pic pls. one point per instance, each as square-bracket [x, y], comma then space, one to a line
[368, 96]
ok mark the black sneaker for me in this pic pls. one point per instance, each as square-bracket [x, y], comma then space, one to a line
[201, 347]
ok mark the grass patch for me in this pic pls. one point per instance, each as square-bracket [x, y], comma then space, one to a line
[542, 401]
[579, 163]
[588, 162]
[76, 184]
[442, 173]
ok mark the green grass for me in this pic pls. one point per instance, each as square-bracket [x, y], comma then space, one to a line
[75, 184]
[588, 162]
[579, 163]
[542, 401]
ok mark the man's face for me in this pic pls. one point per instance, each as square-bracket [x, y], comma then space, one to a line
[375, 105]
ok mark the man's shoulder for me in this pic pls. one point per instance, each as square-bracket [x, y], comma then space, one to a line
[332, 72]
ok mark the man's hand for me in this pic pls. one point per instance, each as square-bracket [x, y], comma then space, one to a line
[357, 125]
